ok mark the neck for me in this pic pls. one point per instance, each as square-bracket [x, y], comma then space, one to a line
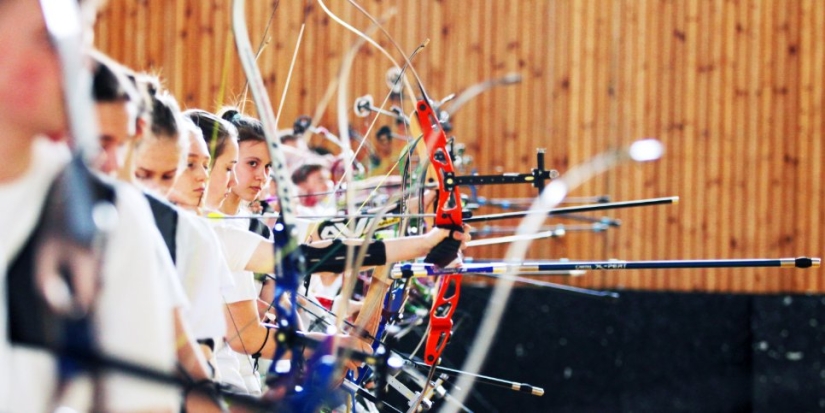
[231, 204]
[184, 206]
[16, 152]
[187, 207]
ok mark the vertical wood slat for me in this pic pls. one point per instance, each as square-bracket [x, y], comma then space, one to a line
[763, 110]
[736, 90]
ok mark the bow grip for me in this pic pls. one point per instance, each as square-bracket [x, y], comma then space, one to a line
[441, 318]
[446, 251]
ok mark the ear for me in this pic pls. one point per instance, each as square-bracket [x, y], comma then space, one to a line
[140, 126]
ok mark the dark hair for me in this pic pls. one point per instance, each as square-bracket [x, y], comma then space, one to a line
[114, 83]
[301, 124]
[216, 131]
[165, 109]
[302, 173]
[320, 150]
[106, 87]
[110, 82]
[249, 128]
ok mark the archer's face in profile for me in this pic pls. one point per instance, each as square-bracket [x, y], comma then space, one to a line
[315, 188]
[190, 187]
[252, 170]
[30, 77]
[115, 132]
[222, 176]
[158, 164]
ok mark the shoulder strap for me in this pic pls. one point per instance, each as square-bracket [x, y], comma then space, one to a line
[166, 219]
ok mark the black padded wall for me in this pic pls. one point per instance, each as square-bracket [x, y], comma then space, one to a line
[649, 352]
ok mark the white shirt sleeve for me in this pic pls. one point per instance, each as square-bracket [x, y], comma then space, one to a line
[238, 245]
[244, 289]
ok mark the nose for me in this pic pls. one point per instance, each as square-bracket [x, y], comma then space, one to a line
[106, 161]
[201, 175]
[233, 180]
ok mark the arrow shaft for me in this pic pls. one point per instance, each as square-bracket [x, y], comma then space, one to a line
[577, 209]
[426, 270]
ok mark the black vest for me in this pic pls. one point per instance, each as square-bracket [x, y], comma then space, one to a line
[67, 213]
[166, 219]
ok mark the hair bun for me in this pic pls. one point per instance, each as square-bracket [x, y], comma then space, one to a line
[231, 114]
[151, 83]
[301, 124]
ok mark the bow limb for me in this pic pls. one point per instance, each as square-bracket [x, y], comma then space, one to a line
[376, 25]
[550, 197]
[448, 215]
[71, 211]
[407, 64]
[369, 317]
[341, 103]
[290, 268]
[479, 88]
[343, 131]
[343, 124]
[375, 301]
[261, 45]
[369, 130]
[384, 51]
[262, 102]
[369, 39]
[333, 85]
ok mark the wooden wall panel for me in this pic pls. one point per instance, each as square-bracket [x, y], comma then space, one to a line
[733, 88]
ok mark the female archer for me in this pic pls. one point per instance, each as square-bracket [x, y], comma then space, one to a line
[128, 312]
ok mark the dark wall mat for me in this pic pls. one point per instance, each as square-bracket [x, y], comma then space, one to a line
[789, 353]
[685, 353]
[650, 352]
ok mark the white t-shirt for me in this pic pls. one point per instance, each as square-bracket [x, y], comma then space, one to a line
[239, 244]
[204, 273]
[132, 320]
